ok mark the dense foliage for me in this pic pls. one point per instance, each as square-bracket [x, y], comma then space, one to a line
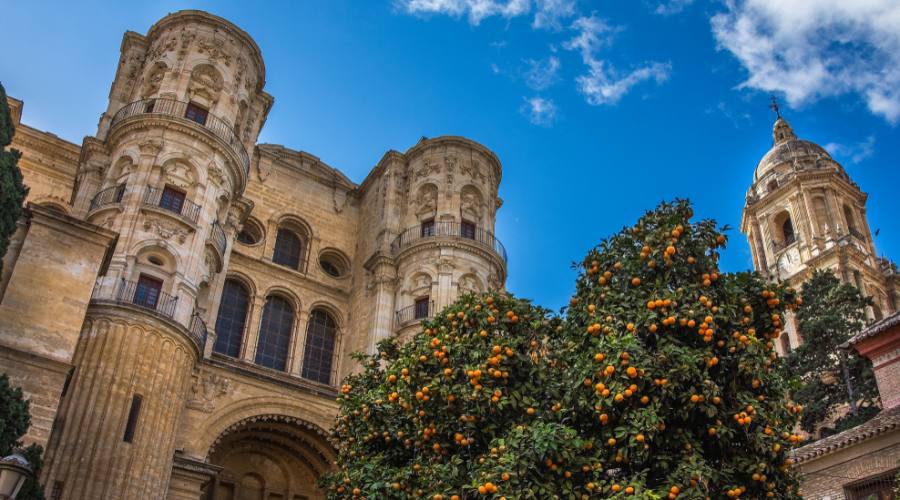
[14, 422]
[831, 313]
[660, 381]
[12, 190]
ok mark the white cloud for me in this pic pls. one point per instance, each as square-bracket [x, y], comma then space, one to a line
[670, 7]
[542, 73]
[547, 13]
[539, 111]
[854, 152]
[550, 13]
[810, 49]
[475, 10]
[603, 83]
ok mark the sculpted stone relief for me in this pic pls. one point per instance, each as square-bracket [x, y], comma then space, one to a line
[179, 174]
[471, 204]
[215, 50]
[427, 199]
[153, 80]
[166, 230]
[205, 83]
[206, 389]
[469, 284]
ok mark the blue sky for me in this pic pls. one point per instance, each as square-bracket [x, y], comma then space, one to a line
[597, 109]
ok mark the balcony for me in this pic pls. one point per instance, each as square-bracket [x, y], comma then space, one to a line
[185, 111]
[415, 312]
[198, 330]
[160, 198]
[151, 299]
[415, 234]
[109, 196]
[218, 239]
[131, 293]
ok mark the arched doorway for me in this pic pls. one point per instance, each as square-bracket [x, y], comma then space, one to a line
[269, 457]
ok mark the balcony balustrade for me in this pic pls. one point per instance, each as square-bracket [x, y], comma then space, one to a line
[465, 231]
[108, 196]
[187, 111]
[157, 198]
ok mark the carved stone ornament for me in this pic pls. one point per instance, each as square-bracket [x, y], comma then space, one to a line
[165, 230]
[150, 147]
[206, 83]
[206, 389]
[161, 47]
[214, 48]
[153, 80]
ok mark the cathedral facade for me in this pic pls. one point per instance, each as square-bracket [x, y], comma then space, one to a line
[180, 302]
[803, 213]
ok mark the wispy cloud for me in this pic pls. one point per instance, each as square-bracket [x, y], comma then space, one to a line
[856, 153]
[541, 73]
[540, 111]
[810, 49]
[603, 83]
[670, 7]
[547, 13]
[737, 118]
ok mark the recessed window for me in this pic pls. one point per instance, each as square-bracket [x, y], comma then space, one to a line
[467, 230]
[133, 414]
[318, 352]
[275, 333]
[422, 307]
[155, 260]
[147, 291]
[251, 233]
[172, 199]
[196, 113]
[231, 319]
[288, 249]
[333, 264]
[428, 227]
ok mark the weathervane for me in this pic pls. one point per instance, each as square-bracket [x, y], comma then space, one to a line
[775, 107]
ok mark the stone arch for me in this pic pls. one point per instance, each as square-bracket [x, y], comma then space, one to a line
[331, 309]
[120, 170]
[160, 246]
[153, 79]
[471, 204]
[205, 84]
[180, 171]
[52, 203]
[244, 279]
[470, 283]
[285, 293]
[295, 223]
[264, 437]
[783, 228]
[426, 201]
[419, 282]
[850, 218]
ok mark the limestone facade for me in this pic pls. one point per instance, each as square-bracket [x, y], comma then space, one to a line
[802, 213]
[181, 302]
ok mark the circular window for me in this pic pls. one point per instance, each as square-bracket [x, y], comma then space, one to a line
[333, 264]
[251, 234]
[155, 260]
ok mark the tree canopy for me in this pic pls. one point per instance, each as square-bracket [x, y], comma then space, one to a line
[830, 314]
[660, 380]
[12, 190]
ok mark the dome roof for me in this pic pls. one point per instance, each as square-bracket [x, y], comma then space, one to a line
[788, 149]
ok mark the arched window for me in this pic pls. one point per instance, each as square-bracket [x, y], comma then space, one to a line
[288, 249]
[231, 319]
[787, 230]
[851, 221]
[275, 333]
[318, 354]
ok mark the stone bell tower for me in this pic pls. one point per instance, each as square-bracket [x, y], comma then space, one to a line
[802, 213]
[166, 172]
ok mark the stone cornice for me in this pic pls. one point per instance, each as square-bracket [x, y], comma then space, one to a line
[77, 228]
[47, 143]
[134, 315]
[171, 123]
[454, 140]
[437, 242]
[267, 376]
[199, 16]
[309, 165]
[278, 272]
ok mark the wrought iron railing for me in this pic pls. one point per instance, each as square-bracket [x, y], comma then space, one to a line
[187, 209]
[133, 293]
[170, 107]
[198, 330]
[108, 196]
[415, 312]
[448, 229]
[217, 236]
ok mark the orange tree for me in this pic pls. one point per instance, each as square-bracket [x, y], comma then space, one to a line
[659, 381]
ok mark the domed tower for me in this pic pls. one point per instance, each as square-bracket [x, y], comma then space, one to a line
[166, 172]
[433, 233]
[802, 213]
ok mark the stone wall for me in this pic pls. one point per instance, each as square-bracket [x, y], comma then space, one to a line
[826, 478]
